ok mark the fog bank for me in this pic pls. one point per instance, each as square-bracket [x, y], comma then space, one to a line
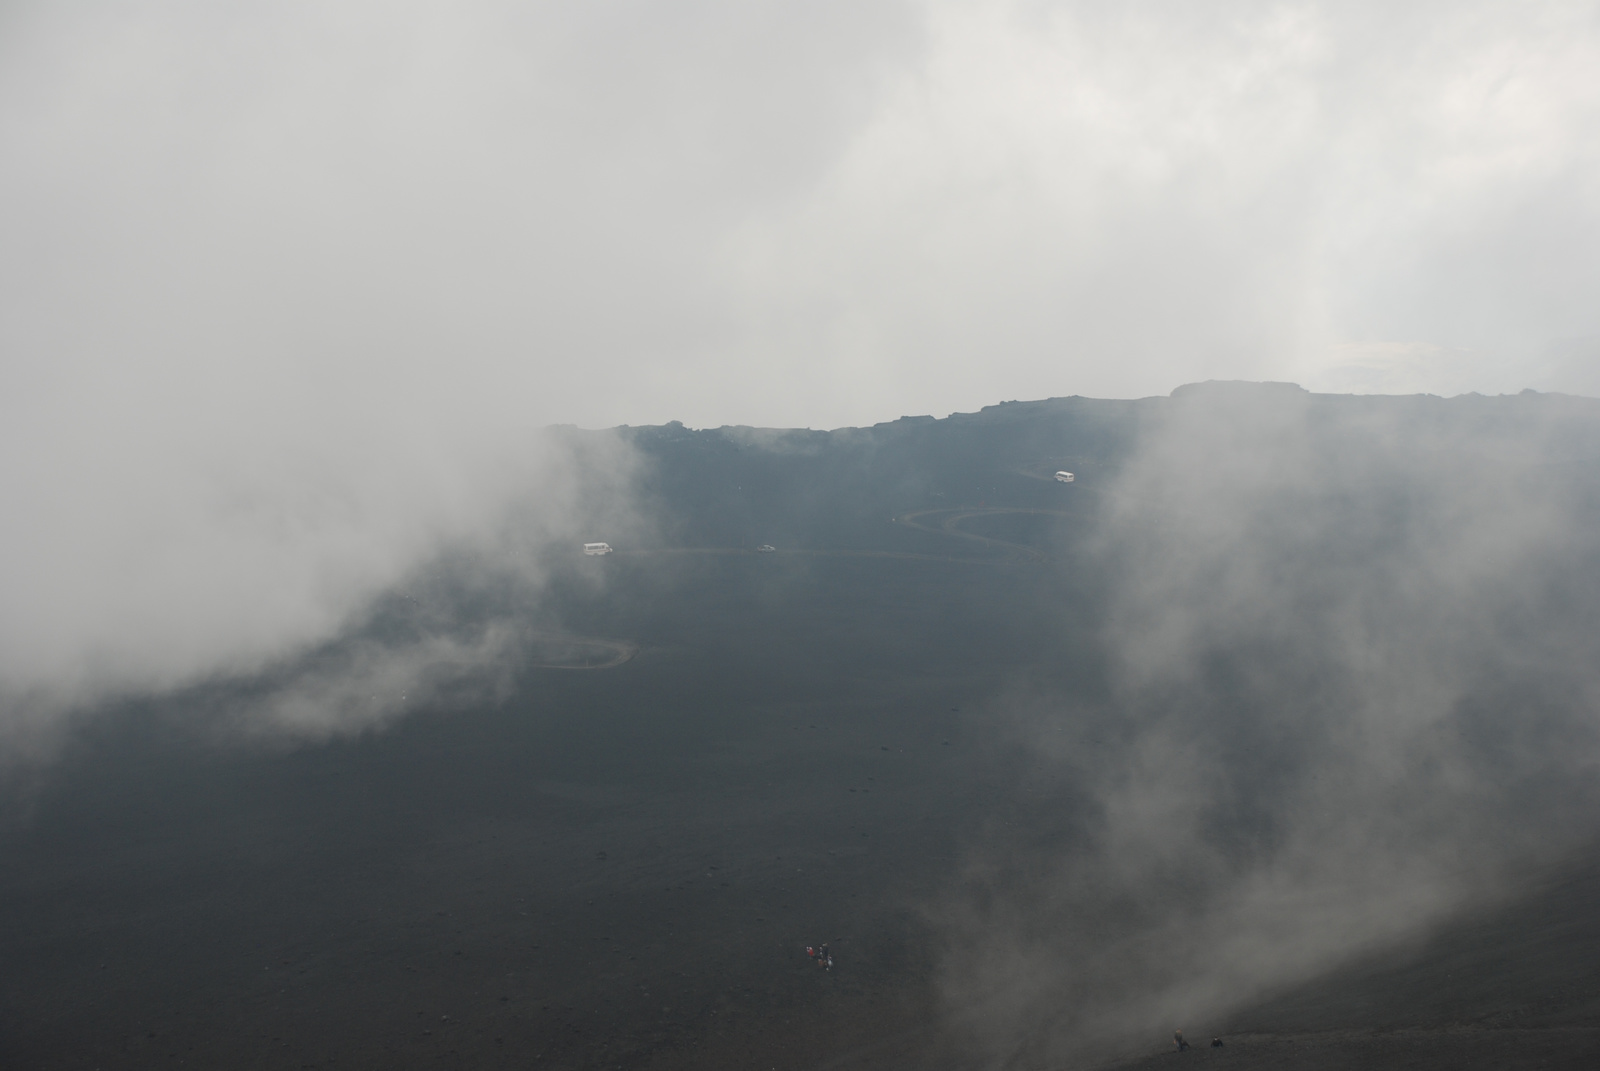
[1353, 693]
[230, 556]
[287, 288]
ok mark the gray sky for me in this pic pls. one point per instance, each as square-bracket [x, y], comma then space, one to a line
[286, 286]
[802, 214]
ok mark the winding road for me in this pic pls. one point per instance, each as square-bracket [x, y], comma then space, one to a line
[949, 519]
[611, 652]
[943, 522]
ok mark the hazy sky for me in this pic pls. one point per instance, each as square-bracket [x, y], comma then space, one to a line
[807, 214]
[287, 286]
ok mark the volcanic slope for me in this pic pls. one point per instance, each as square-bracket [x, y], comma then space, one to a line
[890, 734]
[1514, 986]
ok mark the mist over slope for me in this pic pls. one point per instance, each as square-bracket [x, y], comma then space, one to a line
[1339, 684]
[1279, 683]
[240, 563]
[1350, 651]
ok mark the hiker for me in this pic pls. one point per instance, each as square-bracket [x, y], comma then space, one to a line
[1216, 1043]
[1177, 1039]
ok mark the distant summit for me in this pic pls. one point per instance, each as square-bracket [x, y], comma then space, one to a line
[1238, 388]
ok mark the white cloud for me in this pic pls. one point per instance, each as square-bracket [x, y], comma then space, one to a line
[1351, 695]
[284, 288]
